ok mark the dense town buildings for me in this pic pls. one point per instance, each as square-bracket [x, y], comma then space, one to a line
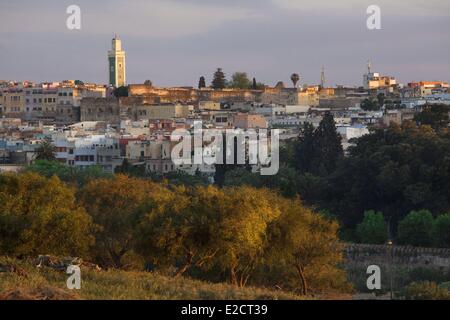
[90, 125]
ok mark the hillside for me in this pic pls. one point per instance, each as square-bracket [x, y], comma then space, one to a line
[23, 280]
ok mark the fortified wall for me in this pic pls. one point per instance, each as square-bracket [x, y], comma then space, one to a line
[409, 257]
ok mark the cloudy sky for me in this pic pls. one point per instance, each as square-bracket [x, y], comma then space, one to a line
[174, 42]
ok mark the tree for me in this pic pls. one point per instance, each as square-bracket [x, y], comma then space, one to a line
[305, 149]
[183, 230]
[394, 170]
[40, 215]
[295, 78]
[148, 83]
[121, 91]
[219, 80]
[370, 104]
[46, 151]
[239, 80]
[201, 82]
[442, 230]
[434, 115]
[329, 145]
[373, 229]
[280, 85]
[424, 291]
[305, 244]
[129, 169]
[72, 175]
[79, 83]
[254, 84]
[416, 229]
[112, 204]
[380, 99]
[246, 216]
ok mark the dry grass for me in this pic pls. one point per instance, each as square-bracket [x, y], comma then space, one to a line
[25, 281]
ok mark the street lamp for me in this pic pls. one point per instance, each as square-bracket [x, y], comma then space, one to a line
[390, 263]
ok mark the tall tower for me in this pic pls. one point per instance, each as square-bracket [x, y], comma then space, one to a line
[322, 78]
[369, 67]
[116, 59]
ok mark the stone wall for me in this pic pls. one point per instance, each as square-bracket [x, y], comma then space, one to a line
[100, 109]
[398, 255]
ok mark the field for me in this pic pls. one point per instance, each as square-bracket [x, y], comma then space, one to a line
[23, 280]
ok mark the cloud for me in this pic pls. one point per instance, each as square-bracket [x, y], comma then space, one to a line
[388, 7]
[154, 18]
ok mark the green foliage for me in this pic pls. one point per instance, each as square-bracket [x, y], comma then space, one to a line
[318, 150]
[219, 80]
[285, 181]
[394, 170]
[306, 246]
[295, 78]
[201, 82]
[416, 229]
[371, 104]
[442, 230]
[434, 115]
[72, 175]
[112, 204]
[121, 91]
[40, 215]
[126, 285]
[46, 151]
[373, 228]
[424, 291]
[239, 80]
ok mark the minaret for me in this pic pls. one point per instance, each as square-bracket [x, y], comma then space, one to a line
[322, 78]
[116, 58]
[369, 67]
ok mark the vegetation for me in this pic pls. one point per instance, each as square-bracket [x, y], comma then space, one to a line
[202, 82]
[40, 215]
[416, 229]
[121, 92]
[219, 80]
[373, 229]
[33, 283]
[46, 151]
[230, 234]
[295, 78]
[425, 291]
[434, 115]
[239, 80]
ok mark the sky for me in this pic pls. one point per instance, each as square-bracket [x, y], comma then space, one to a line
[174, 42]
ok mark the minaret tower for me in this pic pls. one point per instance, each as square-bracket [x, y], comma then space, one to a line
[116, 59]
[322, 78]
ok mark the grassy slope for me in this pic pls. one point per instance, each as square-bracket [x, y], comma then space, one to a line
[116, 284]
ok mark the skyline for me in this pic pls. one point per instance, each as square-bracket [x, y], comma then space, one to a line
[175, 42]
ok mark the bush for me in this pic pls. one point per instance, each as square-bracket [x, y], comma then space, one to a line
[416, 229]
[372, 229]
[40, 216]
[442, 230]
[424, 291]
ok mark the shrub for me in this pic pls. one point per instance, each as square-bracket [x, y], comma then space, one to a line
[424, 291]
[442, 230]
[372, 229]
[416, 229]
[39, 216]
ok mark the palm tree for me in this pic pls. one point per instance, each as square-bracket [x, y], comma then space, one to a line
[295, 78]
